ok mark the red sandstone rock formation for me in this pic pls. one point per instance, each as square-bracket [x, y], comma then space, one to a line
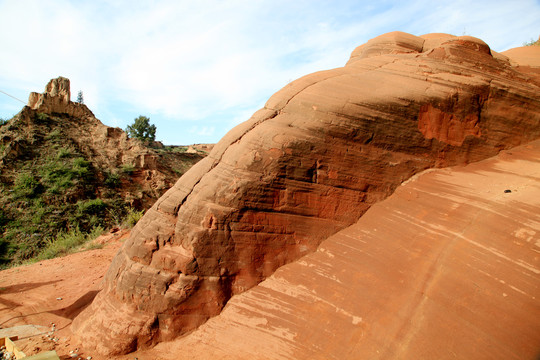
[310, 163]
[447, 267]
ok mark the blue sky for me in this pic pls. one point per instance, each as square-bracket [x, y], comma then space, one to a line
[198, 68]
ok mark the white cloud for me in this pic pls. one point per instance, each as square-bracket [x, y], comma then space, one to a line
[194, 61]
[202, 130]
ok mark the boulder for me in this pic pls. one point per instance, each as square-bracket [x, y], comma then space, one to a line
[310, 163]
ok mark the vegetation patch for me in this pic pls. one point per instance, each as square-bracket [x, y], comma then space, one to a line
[67, 242]
[132, 217]
[532, 43]
[112, 180]
[54, 195]
[127, 169]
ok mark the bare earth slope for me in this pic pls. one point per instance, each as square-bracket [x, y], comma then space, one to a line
[53, 292]
[448, 267]
[311, 162]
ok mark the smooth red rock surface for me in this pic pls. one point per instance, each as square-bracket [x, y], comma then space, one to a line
[525, 56]
[526, 59]
[448, 267]
[322, 151]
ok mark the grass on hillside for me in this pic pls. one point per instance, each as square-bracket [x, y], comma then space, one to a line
[66, 242]
[73, 240]
[52, 199]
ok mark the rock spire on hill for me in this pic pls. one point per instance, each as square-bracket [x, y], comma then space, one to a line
[57, 99]
[322, 151]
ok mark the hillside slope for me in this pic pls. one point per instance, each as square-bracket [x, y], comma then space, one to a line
[61, 169]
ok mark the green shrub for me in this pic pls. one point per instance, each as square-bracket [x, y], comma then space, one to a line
[56, 175]
[127, 169]
[91, 207]
[23, 250]
[25, 186]
[42, 117]
[58, 182]
[80, 167]
[180, 149]
[132, 217]
[55, 134]
[66, 242]
[63, 153]
[38, 215]
[112, 180]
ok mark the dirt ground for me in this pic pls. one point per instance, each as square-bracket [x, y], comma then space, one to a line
[49, 294]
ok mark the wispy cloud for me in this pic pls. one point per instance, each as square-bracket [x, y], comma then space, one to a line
[203, 131]
[209, 63]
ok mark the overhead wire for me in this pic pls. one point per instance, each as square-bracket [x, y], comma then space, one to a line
[11, 96]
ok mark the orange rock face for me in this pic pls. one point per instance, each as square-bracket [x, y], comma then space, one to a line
[310, 163]
[436, 124]
[447, 267]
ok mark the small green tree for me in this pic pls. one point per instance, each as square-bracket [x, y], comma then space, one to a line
[80, 98]
[142, 129]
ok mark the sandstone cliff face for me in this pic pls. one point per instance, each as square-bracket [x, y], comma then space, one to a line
[450, 273]
[310, 163]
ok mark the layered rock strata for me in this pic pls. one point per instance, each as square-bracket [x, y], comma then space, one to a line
[310, 163]
[450, 272]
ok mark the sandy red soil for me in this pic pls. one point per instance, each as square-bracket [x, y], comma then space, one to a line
[54, 292]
